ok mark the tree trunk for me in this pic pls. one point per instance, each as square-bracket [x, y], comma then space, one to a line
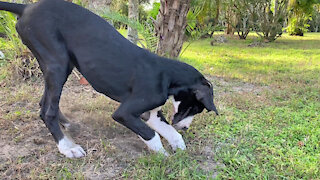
[216, 18]
[276, 5]
[170, 26]
[231, 19]
[133, 14]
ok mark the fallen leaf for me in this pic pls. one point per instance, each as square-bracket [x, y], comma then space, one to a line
[300, 143]
[83, 81]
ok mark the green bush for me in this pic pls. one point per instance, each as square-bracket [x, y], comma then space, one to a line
[298, 26]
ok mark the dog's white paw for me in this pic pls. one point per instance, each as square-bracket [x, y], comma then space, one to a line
[74, 152]
[70, 149]
[177, 143]
[155, 144]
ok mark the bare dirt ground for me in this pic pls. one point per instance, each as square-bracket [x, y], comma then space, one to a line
[24, 137]
[27, 150]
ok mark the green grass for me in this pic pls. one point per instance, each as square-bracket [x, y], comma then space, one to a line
[269, 64]
[179, 166]
[274, 134]
[270, 134]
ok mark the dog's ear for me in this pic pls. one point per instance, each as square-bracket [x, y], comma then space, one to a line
[204, 94]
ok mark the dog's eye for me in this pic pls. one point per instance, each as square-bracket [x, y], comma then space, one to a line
[209, 84]
[196, 110]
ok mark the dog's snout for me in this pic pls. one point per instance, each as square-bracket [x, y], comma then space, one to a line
[185, 128]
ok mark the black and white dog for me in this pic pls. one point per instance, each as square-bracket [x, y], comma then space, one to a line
[62, 35]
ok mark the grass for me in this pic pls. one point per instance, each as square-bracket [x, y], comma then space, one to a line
[269, 64]
[269, 127]
[274, 134]
[179, 166]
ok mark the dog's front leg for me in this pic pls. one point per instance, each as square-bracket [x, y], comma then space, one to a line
[157, 122]
[127, 113]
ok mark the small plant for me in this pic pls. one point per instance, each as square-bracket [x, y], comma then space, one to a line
[8, 22]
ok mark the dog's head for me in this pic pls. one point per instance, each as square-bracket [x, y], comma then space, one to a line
[191, 101]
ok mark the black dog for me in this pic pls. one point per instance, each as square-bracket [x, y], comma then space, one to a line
[62, 35]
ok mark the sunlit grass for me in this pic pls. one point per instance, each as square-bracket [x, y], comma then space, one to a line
[287, 55]
[274, 134]
[271, 133]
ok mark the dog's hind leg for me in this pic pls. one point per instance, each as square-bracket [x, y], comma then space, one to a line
[128, 114]
[64, 122]
[55, 78]
[53, 59]
[158, 122]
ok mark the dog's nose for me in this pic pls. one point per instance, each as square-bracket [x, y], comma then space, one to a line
[180, 128]
[185, 128]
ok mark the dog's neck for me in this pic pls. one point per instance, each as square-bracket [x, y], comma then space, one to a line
[181, 76]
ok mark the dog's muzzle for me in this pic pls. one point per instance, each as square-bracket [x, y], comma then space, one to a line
[181, 128]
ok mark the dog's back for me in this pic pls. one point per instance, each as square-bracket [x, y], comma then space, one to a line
[95, 47]
[99, 51]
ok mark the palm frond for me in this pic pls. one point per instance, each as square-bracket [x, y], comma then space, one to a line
[149, 40]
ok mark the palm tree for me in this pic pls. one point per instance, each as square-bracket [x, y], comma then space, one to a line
[170, 26]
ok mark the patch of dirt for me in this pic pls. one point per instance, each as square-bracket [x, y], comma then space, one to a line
[223, 85]
[26, 144]
[243, 95]
[209, 165]
[257, 44]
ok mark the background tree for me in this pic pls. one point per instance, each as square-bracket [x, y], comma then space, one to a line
[268, 17]
[315, 19]
[300, 12]
[170, 26]
[122, 7]
[229, 16]
[238, 17]
[208, 17]
[133, 14]
[96, 5]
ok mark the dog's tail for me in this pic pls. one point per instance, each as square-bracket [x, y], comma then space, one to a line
[12, 7]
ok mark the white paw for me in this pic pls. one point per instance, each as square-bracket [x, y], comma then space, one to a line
[74, 152]
[177, 143]
[155, 144]
[70, 149]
